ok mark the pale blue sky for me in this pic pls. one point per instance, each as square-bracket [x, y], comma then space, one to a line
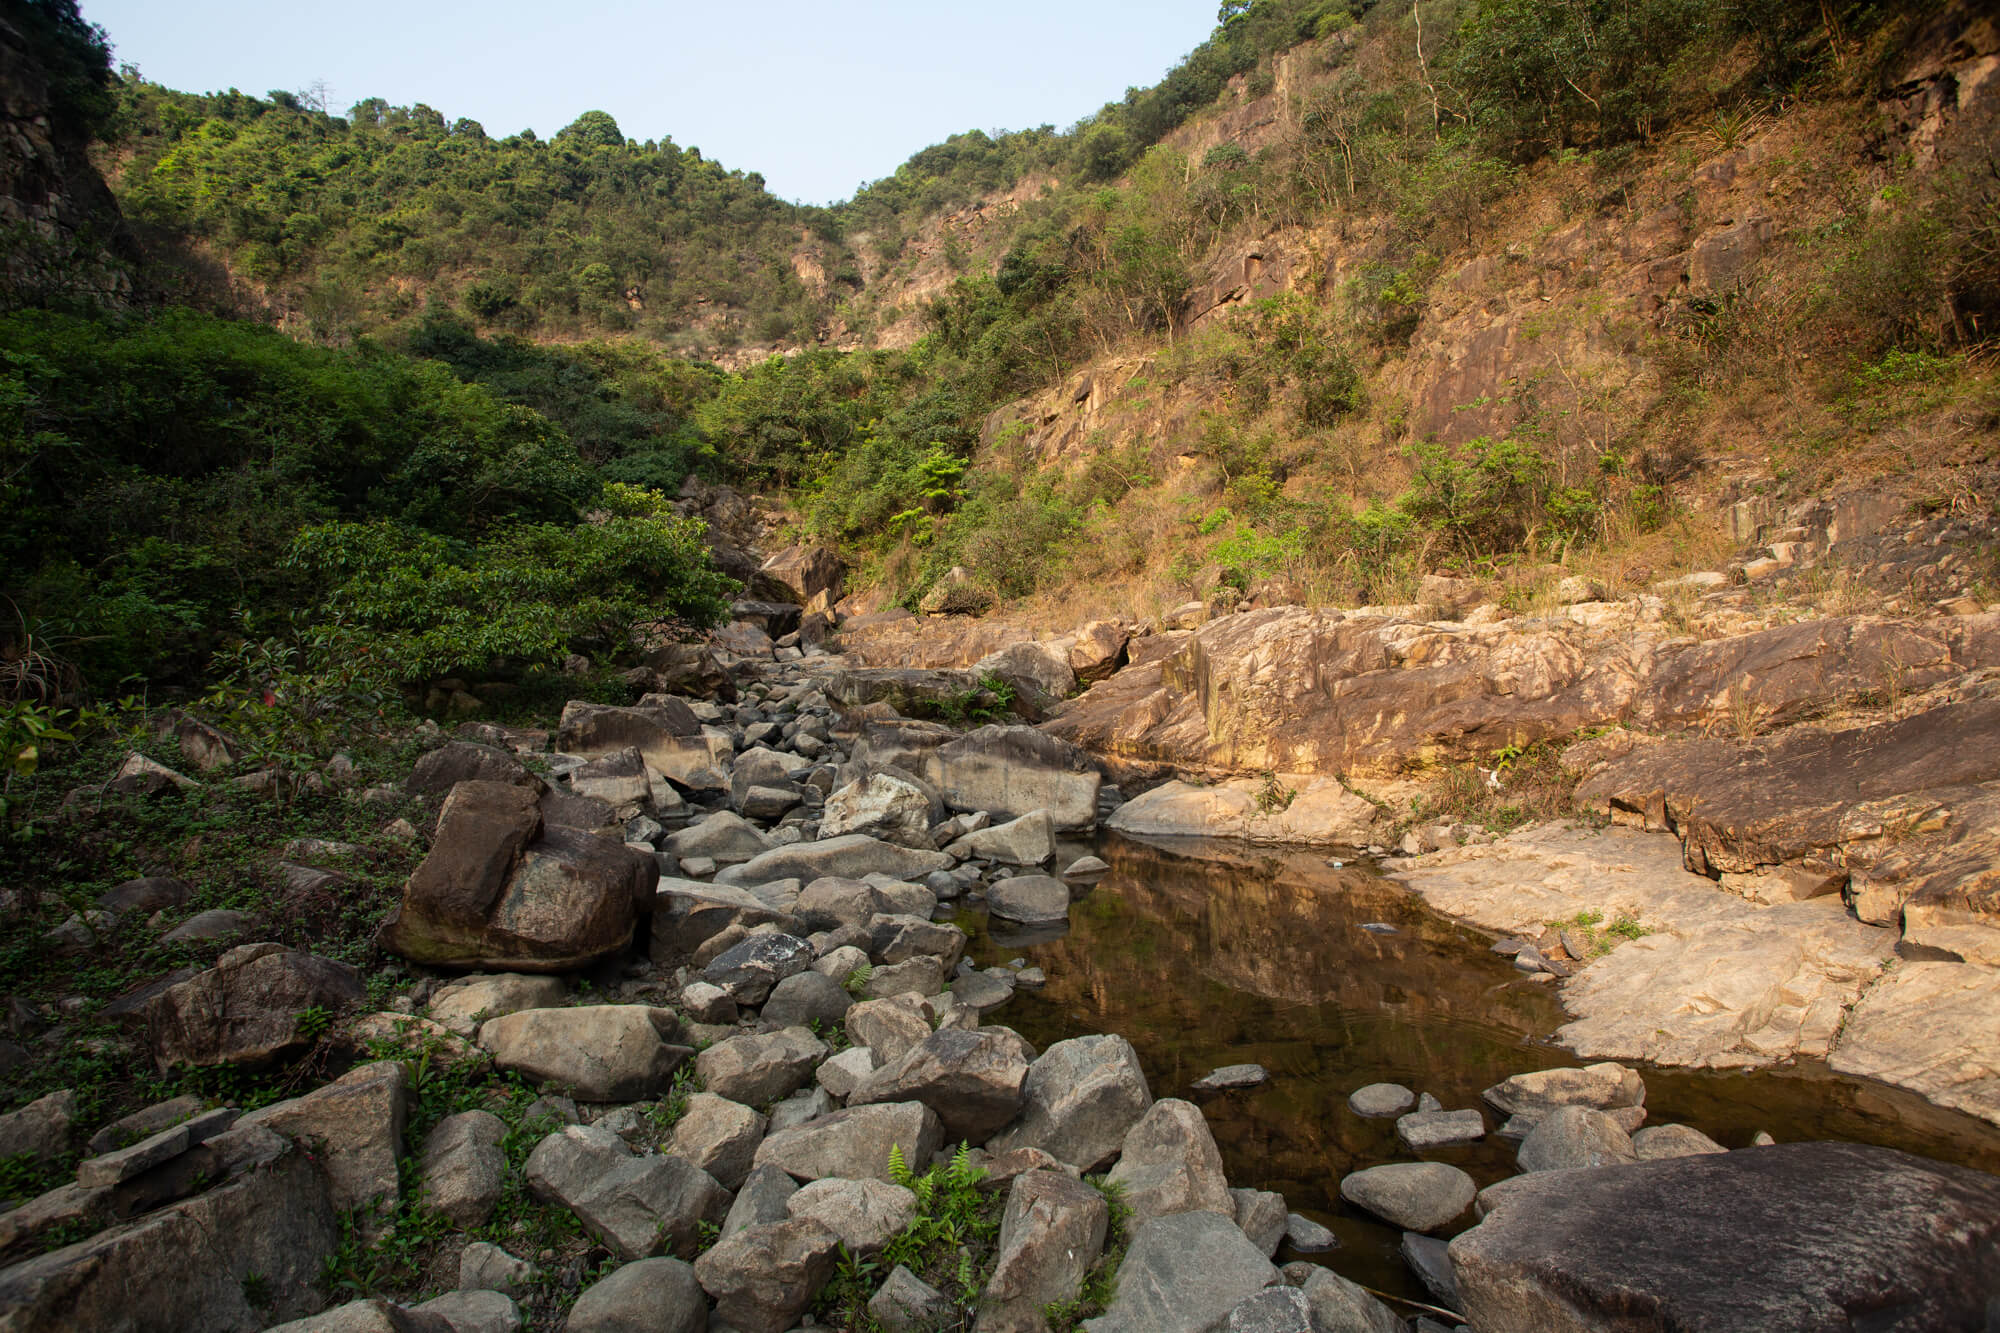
[818, 97]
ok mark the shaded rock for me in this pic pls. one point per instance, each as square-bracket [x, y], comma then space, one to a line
[897, 939]
[1415, 1196]
[854, 1144]
[41, 1129]
[1030, 899]
[1430, 1260]
[1602, 1087]
[1273, 1310]
[473, 1312]
[373, 1315]
[593, 731]
[723, 837]
[486, 1267]
[1338, 1304]
[719, 1136]
[1307, 1236]
[122, 1164]
[1097, 650]
[865, 1214]
[464, 1004]
[126, 1130]
[889, 1027]
[760, 1068]
[905, 1303]
[852, 856]
[1312, 811]
[638, 1205]
[749, 970]
[464, 1167]
[245, 1009]
[1083, 1096]
[1662, 1141]
[152, 894]
[762, 1199]
[841, 1074]
[975, 1081]
[688, 915]
[1050, 1235]
[1261, 1216]
[763, 1277]
[1806, 1235]
[464, 761]
[599, 1053]
[1012, 771]
[1381, 1100]
[355, 1126]
[218, 923]
[807, 998]
[1168, 1163]
[650, 1296]
[805, 572]
[1184, 1273]
[913, 976]
[1574, 1136]
[982, 992]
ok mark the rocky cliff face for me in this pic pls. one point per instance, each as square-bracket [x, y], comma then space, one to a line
[64, 236]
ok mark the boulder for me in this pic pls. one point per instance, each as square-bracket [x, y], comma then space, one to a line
[1273, 1310]
[853, 856]
[1097, 650]
[598, 1053]
[1656, 1142]
[1050, 1235]
[865, 1214]
[1082, 1097]
[719, 1136]
[268, 1214]
[1602, 1087]
[1169, 1163]
[842, 1073]
[1381, 1100]
[891, 806]
[1042, 668]
[911, 691]
[898, 938]
[1027, 841]
[373, 1315]
[1033, 900]
[499, 889]
[1575, 1136]
[153, 894]
[1015, 770]
[922, 975]
[762, 1278]
[1422, 1131]
[905, 1303]
[975, 1081]
[1338, 1304]
[1414, 1196]
[805, 572]
[1184, 1273]
[854, 1144]
[245, 1010]
[1232, 1077]
[1311, 811]
[592, 730]
[889, 1027]
[807, 998]
[650, 1296]
[637, 1204]
[688, 914]
[473, 1312]
[486, 1267]
[355, 1127]
[464, 1004]
[619, 780]
[1261, 1215]
[688, 668]
[41, 1129]
[465, 761]
[1804, 1235]
[724, 837]
[464, 1167]
[759, 1068]
[750, 969]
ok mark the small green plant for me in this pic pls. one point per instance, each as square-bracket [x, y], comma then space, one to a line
[857, 980]
[257, 1291]
[1598, 938]
[313, 1022]
[1273, 797]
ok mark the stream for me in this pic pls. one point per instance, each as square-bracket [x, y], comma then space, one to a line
[1205, 954]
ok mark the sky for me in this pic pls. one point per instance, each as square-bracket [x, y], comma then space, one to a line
[820, 98]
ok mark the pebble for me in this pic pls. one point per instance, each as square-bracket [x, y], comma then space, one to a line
[1380, 928]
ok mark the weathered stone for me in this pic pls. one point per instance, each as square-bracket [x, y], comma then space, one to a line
[152, 894]
[852, 856]
[854, 1144]
[599, 1053]
[1273, 1310]
[723, 837]
[638, 1205]
[922, 975]
[1027, 841]
[1315, 811]
[1169, 1163]
[761, 1199]
[756, 1069]
[1381, 1100]
[975, 1081]
[982, 992]
[1184, 1273]
[1260, 1215]
[464, 1004]
[1232, 1077]
[897, 939]
[1933, 1028]
[807, 998]
[1097, 650]
[1575, 1136]
[1050, 1235]
[895, 807]
[1343, 1306]
[355, 1126]
[620, 780]
[245, 1009]
[748, 970]
[905, 1303]
[688, 915]
[1430, 1259]
[889, 1027]
[129, 1129]
[1806, 1235]
[1602, 1087]
[1415, 1196]
[592, 731]
[218, 923]
[122, 1164]
[372, 1315]
[1030, 899]
[463, 761]
[1421, 1131]
[1083, 1096]
[1661, 1141]
[719, 1136]
[486, 1267]
[270, 1215]
[41, 1129]
[1013, 771]
[763, 1277]
[1307, 1236]
[841, 1074]
[865, 1214]
[464, 1168]
[650, 1296]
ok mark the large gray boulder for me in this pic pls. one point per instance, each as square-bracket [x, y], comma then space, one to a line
[464, 1168]
[1184, 1273]
[1338, 1304]
[763, 1277]
[854, 856]
[1050, 1235]
[591, 730]
[889, 1027]
[1415, 1196]
[1034, 900]
[1014, 770]
[854, 1144]
[463, 1005]
[808, 998]
[865, 1214]
[759, 1068]
[1082, 1097]
[637, 1204]
[688, 914]
[748, 970]
[974, 1080]
[650, 1296]
[1575, 1136]
[245, 1010]
[355, 1125]
[895, 807]
[719, 1136]
[724, 837]
[597, 1053]
[1791, 1236]
[1169, 1163]
[1027, 841]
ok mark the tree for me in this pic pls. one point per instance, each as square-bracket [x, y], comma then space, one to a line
[593, 129]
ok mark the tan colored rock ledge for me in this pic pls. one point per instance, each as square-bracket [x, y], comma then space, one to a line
[1722, 982]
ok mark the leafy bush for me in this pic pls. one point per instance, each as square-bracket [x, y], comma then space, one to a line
[1491, 495]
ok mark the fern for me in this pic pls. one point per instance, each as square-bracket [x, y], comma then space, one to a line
[899, 1170]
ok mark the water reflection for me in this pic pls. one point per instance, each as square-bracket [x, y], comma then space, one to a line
[1214, 953]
